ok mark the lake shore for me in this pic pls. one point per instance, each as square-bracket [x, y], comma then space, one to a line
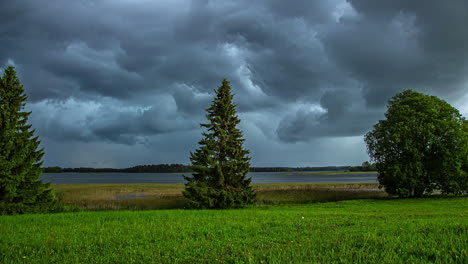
[257, 177]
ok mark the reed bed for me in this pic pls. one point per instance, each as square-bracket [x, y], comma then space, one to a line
[137, 196]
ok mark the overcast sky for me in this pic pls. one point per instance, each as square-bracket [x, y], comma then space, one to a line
[117, 83]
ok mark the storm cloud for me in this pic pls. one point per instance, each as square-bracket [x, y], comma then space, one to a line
[309, 77]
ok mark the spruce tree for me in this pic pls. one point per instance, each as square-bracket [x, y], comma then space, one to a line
[21, 191]
[220, 164]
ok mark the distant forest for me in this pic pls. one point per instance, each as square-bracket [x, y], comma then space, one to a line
[180, 168]
[167, 168]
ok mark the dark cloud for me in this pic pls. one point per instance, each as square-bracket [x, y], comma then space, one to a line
[339, 114]
[139, 73]
[394, 45]
[109, 120]
[315, 11]
[305, 125]
[336, 103]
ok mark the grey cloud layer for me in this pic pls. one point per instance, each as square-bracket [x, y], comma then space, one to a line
[321, 68]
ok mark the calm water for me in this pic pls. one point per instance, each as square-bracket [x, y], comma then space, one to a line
[257, 177]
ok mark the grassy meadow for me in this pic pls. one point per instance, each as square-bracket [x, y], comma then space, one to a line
[145, 196]
[426, 230]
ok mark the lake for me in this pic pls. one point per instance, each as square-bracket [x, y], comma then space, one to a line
[257, 177]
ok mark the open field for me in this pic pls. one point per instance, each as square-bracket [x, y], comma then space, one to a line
[427, 230]
[137, 196]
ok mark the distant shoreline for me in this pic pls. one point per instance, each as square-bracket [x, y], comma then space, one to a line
[181, 168]
[333, 173]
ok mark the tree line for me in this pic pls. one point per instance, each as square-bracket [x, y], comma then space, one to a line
[159, 168]
[181, 168]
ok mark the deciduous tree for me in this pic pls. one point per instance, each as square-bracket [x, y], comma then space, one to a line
[420, 147]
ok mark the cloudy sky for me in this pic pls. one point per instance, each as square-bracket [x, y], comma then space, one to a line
[117, 83]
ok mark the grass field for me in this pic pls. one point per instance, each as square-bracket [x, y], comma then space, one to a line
[137, 196]
[427, 230]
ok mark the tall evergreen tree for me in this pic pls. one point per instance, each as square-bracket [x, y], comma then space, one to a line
[21, 191]
[221, 163]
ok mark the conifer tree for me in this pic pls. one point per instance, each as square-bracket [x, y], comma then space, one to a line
[220, 164]
[21, 191]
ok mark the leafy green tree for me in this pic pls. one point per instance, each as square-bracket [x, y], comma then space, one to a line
[20, 159]
[420, 147]
[221, 163]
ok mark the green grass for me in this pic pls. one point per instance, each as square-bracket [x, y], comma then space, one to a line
[428, 230]
[169, 196]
